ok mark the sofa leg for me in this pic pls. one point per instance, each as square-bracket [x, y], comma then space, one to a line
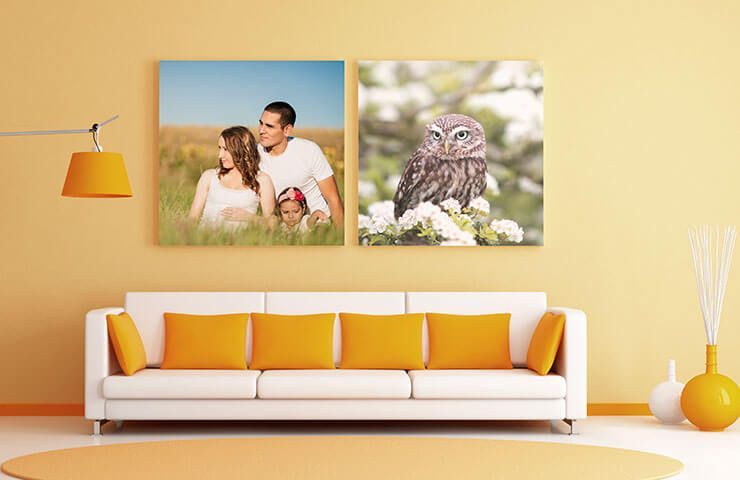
[555, 426]
[98, 426]
[572, 424]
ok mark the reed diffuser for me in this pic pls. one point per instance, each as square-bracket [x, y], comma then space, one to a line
[711, 401]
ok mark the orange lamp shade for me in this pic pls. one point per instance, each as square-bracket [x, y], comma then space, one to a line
[96, 174]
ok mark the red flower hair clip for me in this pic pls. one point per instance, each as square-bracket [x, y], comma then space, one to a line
[292, 194]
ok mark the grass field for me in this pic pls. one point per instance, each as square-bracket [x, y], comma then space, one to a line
[186, 151]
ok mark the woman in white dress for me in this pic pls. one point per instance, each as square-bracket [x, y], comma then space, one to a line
[229, 196]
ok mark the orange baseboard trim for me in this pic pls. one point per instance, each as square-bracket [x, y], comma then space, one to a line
[596, 409]
[78, 409]
[42, 410]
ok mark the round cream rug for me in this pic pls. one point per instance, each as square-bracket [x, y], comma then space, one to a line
[326, 458]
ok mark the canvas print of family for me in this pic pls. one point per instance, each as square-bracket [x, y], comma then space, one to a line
[251, 153]
[450, 153]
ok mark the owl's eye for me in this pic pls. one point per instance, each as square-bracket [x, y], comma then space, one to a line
[462, 135]
[436, 135]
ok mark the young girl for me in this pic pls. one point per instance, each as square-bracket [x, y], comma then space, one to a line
[229, 196]
[293, 212]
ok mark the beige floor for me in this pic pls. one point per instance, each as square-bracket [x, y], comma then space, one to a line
[705, 455]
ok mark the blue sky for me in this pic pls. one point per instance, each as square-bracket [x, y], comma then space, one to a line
[236, 92]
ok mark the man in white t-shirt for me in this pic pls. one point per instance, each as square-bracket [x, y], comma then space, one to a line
[297, 162]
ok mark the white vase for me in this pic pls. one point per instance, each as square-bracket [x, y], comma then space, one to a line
[665, 399]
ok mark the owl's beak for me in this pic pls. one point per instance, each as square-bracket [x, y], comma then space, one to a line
[447, 147]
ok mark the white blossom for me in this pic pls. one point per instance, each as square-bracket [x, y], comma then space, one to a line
[363, 221]
[381, 217]
[509, 229]
[408, 220]
[482, 205]
[429, 215]
[425, 211]
[465, 218]
[379, 225]
[446, 227]
[443, 225]
[382, 210]
[451, 205]
[466, 239]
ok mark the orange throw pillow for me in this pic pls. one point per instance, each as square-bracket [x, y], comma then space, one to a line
[292, 341]
[205, 341]
[545, 342]
[126, 343]
[469, 341]
[382, 341]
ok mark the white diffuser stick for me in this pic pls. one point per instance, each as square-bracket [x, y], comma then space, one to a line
[712, 250]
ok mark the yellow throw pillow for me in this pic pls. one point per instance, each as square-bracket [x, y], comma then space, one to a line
[545, 342]
[292, 341]
[205, 341]
[382, 341]
[469, 341]
[126, 343]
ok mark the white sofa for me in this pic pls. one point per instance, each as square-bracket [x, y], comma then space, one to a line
[154, 394]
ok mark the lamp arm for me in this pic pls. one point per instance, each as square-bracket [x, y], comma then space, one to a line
[44, 132]
[114, 117]
[92, 129]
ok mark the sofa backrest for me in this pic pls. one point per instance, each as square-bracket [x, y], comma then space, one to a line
[147, 310]
[526, 308]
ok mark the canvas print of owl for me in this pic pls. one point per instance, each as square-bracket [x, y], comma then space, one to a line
[450, 153]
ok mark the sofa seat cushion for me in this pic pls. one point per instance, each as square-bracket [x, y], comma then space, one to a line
[153, 383]
[333, 384]
[517, 383]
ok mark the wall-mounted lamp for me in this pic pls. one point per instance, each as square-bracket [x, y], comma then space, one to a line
[95, 174]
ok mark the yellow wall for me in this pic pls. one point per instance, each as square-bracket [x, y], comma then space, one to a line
[642, 114]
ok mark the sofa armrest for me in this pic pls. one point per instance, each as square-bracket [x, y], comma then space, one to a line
[572, 362]
[100, 360]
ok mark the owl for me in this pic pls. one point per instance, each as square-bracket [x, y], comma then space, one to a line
[449, 163]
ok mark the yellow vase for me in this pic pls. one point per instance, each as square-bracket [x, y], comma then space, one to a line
[711, 401]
